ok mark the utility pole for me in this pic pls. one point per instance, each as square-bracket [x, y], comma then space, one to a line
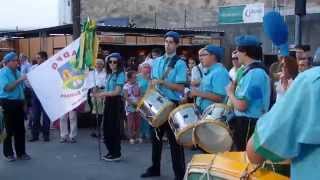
[300, 11]
[76, 19]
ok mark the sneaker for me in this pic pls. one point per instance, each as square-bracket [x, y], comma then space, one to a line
[10, 158]
[131, 141]
[111, 158]
[72, 140]
[24, 157]
[140, 140]
[63, 140]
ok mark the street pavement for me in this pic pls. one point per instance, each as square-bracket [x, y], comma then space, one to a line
[80, 161]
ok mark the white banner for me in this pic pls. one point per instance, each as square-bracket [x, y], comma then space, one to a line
[60, 87]
[253, 13]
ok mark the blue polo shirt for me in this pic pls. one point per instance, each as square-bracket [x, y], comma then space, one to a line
[6, 77]
[143, 83]
[113, 80]
[213, 81]
[290, 130]
[177, 75]
[254, 88]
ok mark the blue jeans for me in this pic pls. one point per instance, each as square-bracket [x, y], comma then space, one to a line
[37, 111]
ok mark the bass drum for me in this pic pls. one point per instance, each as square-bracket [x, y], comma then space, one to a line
[227, 166]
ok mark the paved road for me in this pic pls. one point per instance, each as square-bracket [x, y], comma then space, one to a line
[56, 161]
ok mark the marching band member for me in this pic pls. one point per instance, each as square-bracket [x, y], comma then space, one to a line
[215, 79]
[112, 111]
[12, 102]
[290, 130]
[251, 97]
[171, 87]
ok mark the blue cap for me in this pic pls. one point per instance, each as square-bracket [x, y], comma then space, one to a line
[10, 56]
[114, 55]
[247, 40]
[215, 50]
[174, 35]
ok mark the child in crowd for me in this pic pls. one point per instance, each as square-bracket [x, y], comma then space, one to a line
[132, 95]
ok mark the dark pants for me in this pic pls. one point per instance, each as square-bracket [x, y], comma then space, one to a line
[37, 111]
[177, 152]
[14, 123]
[242, 128]
[111, 125]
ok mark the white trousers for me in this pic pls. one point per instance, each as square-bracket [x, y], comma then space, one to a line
[64, 131]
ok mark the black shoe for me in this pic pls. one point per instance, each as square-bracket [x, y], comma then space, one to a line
[150, 173]
[46, 139]
[24, 157]
[94, 135]
[33, 139]
[111, 158]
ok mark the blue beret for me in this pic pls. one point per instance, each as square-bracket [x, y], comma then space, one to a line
[174, 35]
[247, 40]
[114, 55]
[10, 56]
[215, 50]
[284, 50]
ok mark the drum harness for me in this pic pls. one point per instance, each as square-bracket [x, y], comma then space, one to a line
[172, 63]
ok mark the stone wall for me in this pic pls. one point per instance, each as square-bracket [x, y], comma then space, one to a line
[174, 13]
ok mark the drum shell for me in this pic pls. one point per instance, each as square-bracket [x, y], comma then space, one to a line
[155, 108]
[182, 120]
[230, 165]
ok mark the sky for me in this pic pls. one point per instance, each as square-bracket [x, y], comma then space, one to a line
[28, 14]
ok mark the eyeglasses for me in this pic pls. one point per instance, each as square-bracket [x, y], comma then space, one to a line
[202, 55]
[113, 62]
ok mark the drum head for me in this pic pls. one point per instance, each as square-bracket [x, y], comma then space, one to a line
[213, 136]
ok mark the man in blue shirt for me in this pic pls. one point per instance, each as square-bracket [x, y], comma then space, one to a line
[251, 96]
[171, 86]
[12, 102]
[290, 130]
[215, 79]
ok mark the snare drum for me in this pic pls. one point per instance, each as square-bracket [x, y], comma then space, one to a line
[230, 165]
[155, 108]
[212, 133]
[182, 120]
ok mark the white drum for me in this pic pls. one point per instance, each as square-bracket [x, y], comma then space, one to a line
[212, 133]
[182, 121]
[155, 108]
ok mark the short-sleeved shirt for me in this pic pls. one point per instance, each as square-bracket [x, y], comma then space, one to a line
[133, 91]
[254, 88]
[290, 130]
[177, 75]
[113, 80]
[143, 84]
[7, 77]
[214, 81]
[197, 73]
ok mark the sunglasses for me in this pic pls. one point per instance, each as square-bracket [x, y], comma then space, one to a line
[113, 62]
